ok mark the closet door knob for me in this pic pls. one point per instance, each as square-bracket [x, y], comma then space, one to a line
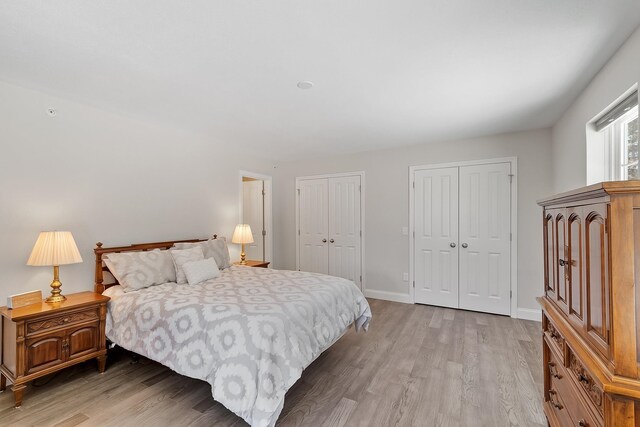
[464, 245]
[324, 240]
[453, 245]
[331, 241]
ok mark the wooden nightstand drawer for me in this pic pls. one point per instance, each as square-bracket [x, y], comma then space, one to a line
[63, 320]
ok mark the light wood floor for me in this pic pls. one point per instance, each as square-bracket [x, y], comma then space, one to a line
[417, 365]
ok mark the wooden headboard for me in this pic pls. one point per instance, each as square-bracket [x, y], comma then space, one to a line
[100, 287]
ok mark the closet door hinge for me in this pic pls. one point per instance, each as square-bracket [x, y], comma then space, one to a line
[414, 283]
[413, 185]
[264, 232]
[360, 233]
[510, 294]
[360, 188]
[298, 232]
[298, 191]
[511, 237]
[510, 178]
[360, 279]
[264, 193]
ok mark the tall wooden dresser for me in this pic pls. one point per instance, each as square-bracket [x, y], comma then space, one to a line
[590, 305]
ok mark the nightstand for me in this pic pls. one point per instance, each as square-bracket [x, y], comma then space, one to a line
[39, 339]
[254, 263]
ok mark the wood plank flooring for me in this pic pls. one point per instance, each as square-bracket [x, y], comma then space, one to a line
[417, 366]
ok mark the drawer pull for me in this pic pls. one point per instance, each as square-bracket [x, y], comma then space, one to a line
[553, 371]
[583, 423]
[552, 395]
[583, 379]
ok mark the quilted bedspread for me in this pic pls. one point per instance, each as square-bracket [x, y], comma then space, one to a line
[249, 332]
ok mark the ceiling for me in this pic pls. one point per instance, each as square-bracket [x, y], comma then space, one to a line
[386, 73]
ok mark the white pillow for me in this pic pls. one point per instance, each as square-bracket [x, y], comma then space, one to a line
[114, 291]
[183, 256]
[199, 271]
[212, 248]
[137, 270]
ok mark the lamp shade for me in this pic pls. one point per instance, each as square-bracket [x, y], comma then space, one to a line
[54, 248]
[242, 234]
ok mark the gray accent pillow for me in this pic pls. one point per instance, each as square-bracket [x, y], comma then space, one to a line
[137, 270]
[183, 256]
[212, 248]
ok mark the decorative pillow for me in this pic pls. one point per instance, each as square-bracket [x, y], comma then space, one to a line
[137, 270]
[212, 248]
[183, 256]
[199, 271]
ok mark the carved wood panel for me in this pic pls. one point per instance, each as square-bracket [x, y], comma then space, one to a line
[67, 319]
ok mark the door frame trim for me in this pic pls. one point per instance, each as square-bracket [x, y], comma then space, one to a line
[361, 174]
[268, 207]
[514, 220]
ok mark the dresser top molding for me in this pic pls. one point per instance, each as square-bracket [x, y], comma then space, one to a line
[73, 301]
[600, 191]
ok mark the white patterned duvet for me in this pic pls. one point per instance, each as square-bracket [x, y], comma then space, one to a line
[249, 332]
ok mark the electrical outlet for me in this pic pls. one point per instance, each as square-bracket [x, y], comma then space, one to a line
[405, 277]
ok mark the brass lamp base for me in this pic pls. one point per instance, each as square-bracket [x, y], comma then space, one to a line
[56, 294]
[243, 261]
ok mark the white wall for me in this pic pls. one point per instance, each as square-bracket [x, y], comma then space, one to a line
[105, 178]
[387, 203]
[569, 133]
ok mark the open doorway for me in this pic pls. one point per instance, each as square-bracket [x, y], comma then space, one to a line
[255, 210]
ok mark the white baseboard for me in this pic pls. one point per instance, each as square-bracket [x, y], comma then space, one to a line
[388, 296]
[530, 314]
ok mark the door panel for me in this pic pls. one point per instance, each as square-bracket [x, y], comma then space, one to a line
[561, 251]
[436, 231]
[344, 228]
[314, 225]
[485, 230]
[44, 352]
[550, 258]
[253, 214]
[83, 340]
[575, 266]
[597, 277]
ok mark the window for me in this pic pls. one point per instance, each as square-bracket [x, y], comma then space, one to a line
[621, 138]
[613, 148]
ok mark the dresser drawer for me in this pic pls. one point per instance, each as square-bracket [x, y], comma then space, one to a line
[555, 338]
[585, 381]
[559, 416]
[562, 390]
[62, 320]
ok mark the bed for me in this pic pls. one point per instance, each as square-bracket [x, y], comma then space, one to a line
[250, 332]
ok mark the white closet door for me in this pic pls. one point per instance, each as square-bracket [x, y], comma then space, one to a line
[314, 225]
[344, 228]
[253, 214]
[436, 239]
[485, 226]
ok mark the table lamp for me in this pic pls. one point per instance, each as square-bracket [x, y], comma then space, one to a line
[55, 248]
[242, 235]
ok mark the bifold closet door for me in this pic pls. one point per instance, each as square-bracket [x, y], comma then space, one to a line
[344, 227]
[485, 238]
[436, 237]
[314, 225]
